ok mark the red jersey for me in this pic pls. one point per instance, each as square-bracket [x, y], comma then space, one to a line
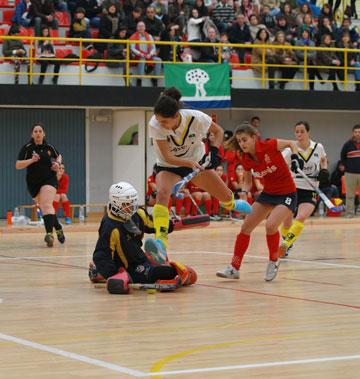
[63, 184]
[233, 158]
[271, 166]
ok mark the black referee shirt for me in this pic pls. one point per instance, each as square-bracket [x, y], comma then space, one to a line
[40, 170]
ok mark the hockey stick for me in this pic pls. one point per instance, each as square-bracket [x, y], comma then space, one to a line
[162, 287]
[179, 185]
[323, 197]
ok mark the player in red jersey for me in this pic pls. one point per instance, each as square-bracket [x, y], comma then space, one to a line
[277, 200]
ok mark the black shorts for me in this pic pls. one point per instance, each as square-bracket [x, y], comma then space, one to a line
[34, 187]
[180, 171]
[306, 196]
[289, 200]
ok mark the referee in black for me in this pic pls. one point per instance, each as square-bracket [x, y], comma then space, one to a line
[42, 161]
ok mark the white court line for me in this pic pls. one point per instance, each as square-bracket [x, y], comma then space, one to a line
[257, 365]
[44, 257]
[125, 370]
[74, 356]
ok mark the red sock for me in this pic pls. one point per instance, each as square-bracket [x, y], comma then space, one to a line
[241, 245]
[208, 206]
[215, 206]
[273, 245]
[66, 208]
[56, 206]
[178, 205]
[187, 205]
[194, 209]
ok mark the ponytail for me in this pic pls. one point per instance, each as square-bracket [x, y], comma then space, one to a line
[168, 104]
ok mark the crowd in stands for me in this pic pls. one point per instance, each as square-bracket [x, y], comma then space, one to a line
[282, 23]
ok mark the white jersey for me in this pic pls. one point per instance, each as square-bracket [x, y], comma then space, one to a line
[186, 140]
[311, 157]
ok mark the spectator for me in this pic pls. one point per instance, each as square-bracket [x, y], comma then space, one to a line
[254, 26]
[110, 23]
[307, 24]
[289, 15]
[345, 43]
[267, 19]
[255, 123]
[132, 20]
[91, 10]
[285, 57]
[130, 5]
[153, 25]
[350, 157]
[79, 27]
[210, 53]
[200, 197]
[305, 40]
[247, 9]
[225, 50]
[240, 33]
[346, 27]
[160, 7]
[117, 51]
[22, 15]
[179, 13]
[326, 11]
[169, 34]
[326, 26]
[263, 38]
[194, 26]
[282, 26]
[61, 194]
[336, 177]
[303, 10]
[119, 9]
[328, 58]
[46, 51]
[215, 204]
[274, 6]
[143, 52]
[201, 8]
[223, 15]
[15, 49]
[315, 10]
[43, 12]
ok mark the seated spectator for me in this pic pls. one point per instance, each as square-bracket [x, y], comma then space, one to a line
[267, 19]
[301, 12]
[179, 13]
[240, 33]
[210, 53]
[309, 25]
[255, 123]
[263, 38]
[247, 8]
[110, 23]
[326, 26]
[171, 33]
[328, 58]
[47, 50]
[92, 11]
[160, 7]
[225, 50]
[284, 57]
[352, 59]
[336, 177]
[79, 27]
[130, 5]
[43, 13]
[315, 10]
[201, 8]
[153, 25]
[117, 51]
[346, 27]
[132, 20]
[305, 40]
[209, 141]
[15, 49]
[223, 15]
[22, 15]
[326, 11]
[274, 6]
[118, 5]
[214, 212]
[282, 26]
[236, 180]
[61, 194]
[143, 52]
[61, 5]
[254, 26]
[289, 15]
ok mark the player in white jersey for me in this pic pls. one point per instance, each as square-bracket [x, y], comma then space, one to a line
[315, 167]
[177, 136]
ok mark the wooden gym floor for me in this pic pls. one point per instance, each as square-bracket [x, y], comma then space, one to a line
[305, 324]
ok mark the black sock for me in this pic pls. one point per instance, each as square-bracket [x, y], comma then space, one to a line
[57, 225]
[49, 223]
[162, 272]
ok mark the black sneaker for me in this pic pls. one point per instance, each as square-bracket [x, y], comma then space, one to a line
[60, 235]
[49, 239]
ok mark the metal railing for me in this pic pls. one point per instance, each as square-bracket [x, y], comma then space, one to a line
[75, 43]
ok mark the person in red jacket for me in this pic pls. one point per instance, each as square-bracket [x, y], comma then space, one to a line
[61, 194]
[277, 200]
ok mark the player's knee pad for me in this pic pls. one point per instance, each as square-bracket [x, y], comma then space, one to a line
[119, 283]
[182, 271]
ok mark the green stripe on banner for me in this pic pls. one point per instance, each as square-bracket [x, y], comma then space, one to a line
[201, 86]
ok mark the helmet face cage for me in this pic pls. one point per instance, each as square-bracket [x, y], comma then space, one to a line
[123, 200]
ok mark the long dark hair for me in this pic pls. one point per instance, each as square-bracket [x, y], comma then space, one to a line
[34, 126]
[168, 104]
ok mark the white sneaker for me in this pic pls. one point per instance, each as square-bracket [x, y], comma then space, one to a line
[271, 270]
[229, 272]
